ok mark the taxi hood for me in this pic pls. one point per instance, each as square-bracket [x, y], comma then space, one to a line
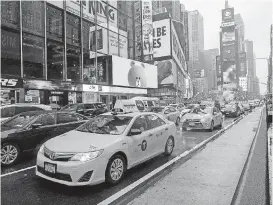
[77, 141]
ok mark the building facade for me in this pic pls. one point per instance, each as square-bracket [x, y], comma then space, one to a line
[173, 7]
[196, 39]
[250, 65]
[70, 51]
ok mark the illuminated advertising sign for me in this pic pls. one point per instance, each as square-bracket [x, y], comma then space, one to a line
[229, 76]
[167, 72]
[127, 72]
[229, 53]
[161, 38]
[228, 24]
[218, 70]
[228, 14]
[147, 30]
[228, 36]
[242, 64]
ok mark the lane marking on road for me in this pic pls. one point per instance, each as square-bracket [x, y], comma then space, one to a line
[132, 186]
[15, 172]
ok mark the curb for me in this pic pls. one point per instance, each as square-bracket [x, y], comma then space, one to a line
[269, 154]
[115, 198]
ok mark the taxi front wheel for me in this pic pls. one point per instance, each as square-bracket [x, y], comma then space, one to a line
[169, 146]
[115, 169]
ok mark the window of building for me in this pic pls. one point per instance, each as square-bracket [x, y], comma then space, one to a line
[102, 69]
[33, 56]
[112, 17]
[123, 46]
[10, 14]
[55, 60]
[73, 30]
[88, 68]
[86, 25]
[113, 43]
[10, 52]
[33, 17]
[54, 23]
[73, 63]
[131, 45]
[102, 40]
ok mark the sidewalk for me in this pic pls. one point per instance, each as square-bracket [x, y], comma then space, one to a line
[211, 176]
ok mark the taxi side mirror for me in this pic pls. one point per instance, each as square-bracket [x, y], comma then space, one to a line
[135, 132]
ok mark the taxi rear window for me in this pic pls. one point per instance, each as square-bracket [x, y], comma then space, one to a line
[140, 105]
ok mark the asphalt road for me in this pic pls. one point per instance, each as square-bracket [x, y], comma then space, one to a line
[25, 188]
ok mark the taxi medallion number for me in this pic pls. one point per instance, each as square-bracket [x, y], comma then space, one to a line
[50, 168]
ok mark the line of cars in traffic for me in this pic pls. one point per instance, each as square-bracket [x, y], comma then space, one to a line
[84, 145]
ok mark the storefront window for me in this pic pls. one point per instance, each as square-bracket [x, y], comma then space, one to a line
[88, 68]
[102, 40]
[55, 60]
[33, 56]
[33, 17]
[73, 30]
[113, 43]
[86, 25]
[73, 63]
[102, 71]
[123, 46]
[54, 23]
[10, 14]
[10, 53]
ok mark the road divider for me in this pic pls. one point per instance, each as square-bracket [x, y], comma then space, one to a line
[115, 198]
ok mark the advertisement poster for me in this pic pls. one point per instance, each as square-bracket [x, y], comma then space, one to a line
[229, 76]
[127, 72]
[161, 38]
[228, 14]
[167, 72]
[147, 29]
[229, 53]
[242, 64]
[228, 36]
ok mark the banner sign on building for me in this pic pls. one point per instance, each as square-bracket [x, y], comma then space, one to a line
[242, 64]
[167, 72]
[243, 83]
[147, 30]
[228, 24]
[9, 81]
[197, 74]
[161, 38]
[228, 14]
[218, 70]
[127, 72]
[229, 52]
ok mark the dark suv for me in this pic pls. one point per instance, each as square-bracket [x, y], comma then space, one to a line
[87, 109]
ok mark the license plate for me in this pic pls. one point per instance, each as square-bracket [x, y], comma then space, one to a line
[188, 129]
[51, 168]
[192, 124]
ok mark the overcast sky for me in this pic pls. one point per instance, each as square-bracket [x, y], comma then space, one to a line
[257, 16]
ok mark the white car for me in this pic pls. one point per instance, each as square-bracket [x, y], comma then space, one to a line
[168, 112]
[104, 148]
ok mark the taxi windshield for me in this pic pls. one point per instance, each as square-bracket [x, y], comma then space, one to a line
[198, 110]
[106, 124]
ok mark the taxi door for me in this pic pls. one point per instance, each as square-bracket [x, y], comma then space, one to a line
[140, 143]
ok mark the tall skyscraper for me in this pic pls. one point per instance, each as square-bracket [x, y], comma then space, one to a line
[196, 39]
[173, 7]
[209, 66]
[240, 29]
[250, 65]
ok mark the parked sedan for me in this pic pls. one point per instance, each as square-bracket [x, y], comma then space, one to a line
[27, 131]
[207, 118]
[8, 111]
[86, 109]
[169, 113]
[246, 107]
[104, 148]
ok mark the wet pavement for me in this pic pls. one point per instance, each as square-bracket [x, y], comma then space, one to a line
[25, 188]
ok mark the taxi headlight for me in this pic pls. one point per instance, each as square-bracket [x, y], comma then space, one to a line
[42, 148]
[86, 156]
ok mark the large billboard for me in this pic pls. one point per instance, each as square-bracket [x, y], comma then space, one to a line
[229, 76]
[167, 72]
[127, 72]
[228, 14]
[229, 52]
[242, 64]
[147, 30]
[162, 38]
[228, 37]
